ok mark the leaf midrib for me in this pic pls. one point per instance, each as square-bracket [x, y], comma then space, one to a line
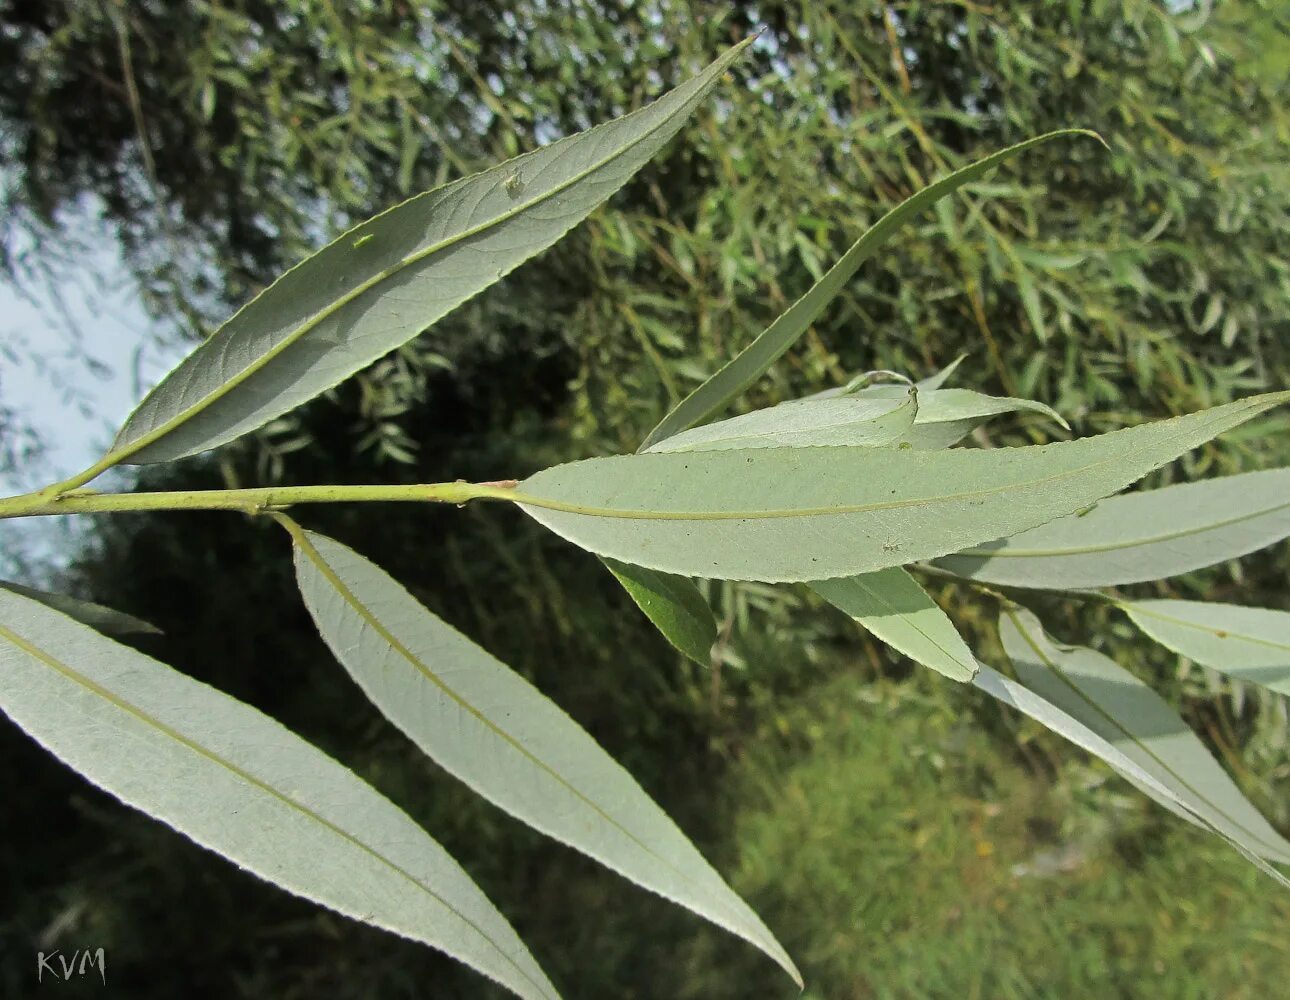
[1079, 692]
[149, 720]
[908, 618]
[138, 444]
[1116, 546]
[352, 599]
[1255, 404]
[1213, 630]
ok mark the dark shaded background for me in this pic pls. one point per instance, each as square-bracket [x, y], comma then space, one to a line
[902, 838]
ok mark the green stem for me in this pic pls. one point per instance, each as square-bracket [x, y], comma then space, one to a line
[66, 486]
[251, 501]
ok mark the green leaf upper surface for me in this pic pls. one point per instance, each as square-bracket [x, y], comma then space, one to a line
[1140, 536]
[1137, 721]
[738, 374]
[812, 513]
[488, 726]
[1249, 644]
[891, 605]
[98, 617]
[674, 605]
[845, 420]
[388, 279]
[239, 783]
[1077, 729]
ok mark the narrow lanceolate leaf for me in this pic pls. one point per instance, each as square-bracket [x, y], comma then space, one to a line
[891, 605]
[244, 786]
[798, 514]
[1078, 731]
[1249, 644]
[845, 420]
[941, 406]
[1139, 536]
[674, 605]
[96, 616]
[749, 365]
[492, 729]
[946, 416]
[385, 281]
[1142, 726]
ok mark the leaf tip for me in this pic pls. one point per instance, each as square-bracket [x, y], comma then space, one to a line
[1094, 135]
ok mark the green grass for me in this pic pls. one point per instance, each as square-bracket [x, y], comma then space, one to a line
[879, 833]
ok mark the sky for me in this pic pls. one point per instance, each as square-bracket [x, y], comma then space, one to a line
[76, 353]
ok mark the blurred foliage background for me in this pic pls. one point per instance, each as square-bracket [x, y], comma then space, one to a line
[903, 838]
